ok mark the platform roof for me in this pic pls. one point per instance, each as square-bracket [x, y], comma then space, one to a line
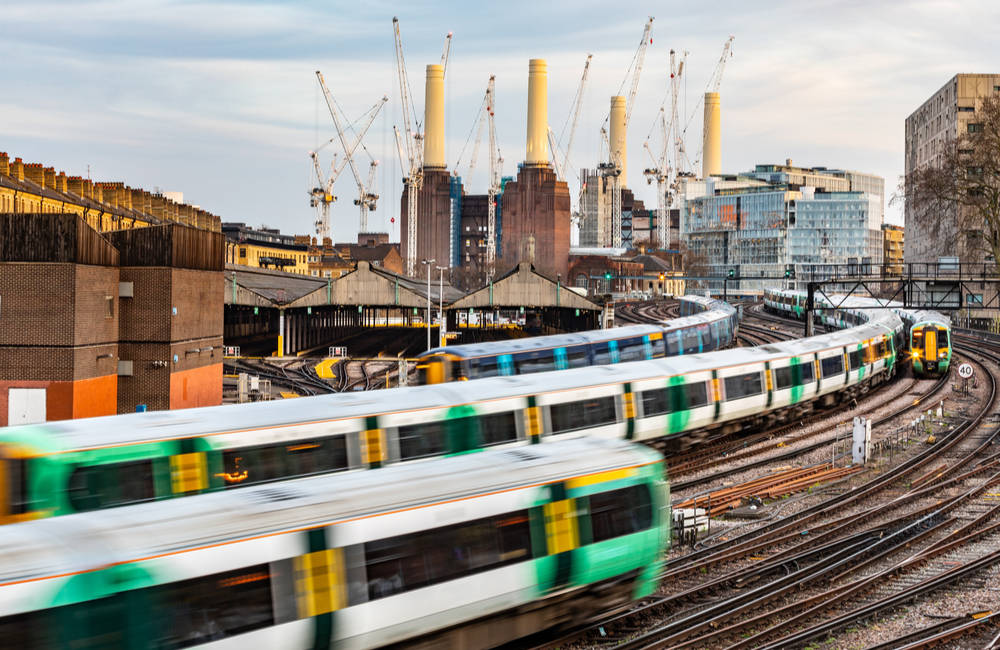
[523, 286]
[371, 286]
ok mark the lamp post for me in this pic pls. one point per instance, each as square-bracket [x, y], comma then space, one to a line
[441, 270]
[428, 263]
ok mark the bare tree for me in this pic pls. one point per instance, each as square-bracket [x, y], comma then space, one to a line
[959, 196]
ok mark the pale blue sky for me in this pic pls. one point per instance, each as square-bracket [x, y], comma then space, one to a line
[219, 99]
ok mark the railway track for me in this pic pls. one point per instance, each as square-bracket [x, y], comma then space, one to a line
[838, 560]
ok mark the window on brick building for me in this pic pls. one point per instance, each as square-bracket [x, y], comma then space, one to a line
[110, 303]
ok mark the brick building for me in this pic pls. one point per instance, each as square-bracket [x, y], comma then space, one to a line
[71, 346]
[601, 274]
[170, 338]
[536, 220]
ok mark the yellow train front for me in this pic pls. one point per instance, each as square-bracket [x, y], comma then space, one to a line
[930, 344]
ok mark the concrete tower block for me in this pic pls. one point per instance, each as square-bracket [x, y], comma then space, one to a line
[617, 138]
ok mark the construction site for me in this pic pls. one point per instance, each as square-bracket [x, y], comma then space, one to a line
[532, 215]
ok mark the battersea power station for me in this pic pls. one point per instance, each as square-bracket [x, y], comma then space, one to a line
[532, 209]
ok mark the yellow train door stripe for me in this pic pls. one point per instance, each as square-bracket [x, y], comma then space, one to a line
[320, 587]
[560, 526]
[188, 472]
[600, 477]
[373, 446]
[533, 421]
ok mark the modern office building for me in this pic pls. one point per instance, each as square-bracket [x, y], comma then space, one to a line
[948, 113]
[777, 217]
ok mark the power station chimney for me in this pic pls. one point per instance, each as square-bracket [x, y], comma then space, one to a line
[434, 117]
[711, 160]
[537, 150]
[619, 145]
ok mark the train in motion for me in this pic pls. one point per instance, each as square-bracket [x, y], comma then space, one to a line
[75, 466]
[926, 337]
[470, 551]
[704, 325]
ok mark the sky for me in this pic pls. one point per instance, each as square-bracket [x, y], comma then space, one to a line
[219, 100]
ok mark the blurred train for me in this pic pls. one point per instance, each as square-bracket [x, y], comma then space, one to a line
[926, 337]
[471, 551]
[80, 465]
[704, 325]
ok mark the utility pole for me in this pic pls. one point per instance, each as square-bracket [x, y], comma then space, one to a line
[428, 264]
[441, 270]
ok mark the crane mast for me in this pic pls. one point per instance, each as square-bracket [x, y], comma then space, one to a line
[445, 54]
[496, 171]
[615, 167]
[410, 141]
[366, 199]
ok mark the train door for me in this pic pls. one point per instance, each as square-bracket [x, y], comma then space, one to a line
[14, 498]
[930, 344]
[505, 363]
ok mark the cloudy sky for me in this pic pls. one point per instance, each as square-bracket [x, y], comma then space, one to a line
[219, 99]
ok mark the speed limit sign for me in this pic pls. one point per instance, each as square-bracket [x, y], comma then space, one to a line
[965, 371]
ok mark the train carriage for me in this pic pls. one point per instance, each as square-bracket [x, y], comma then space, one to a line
[705, 324]
[477, 550]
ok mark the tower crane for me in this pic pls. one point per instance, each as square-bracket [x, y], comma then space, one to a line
[366, 199]
[614, 167]
[664, 171]
[444, 54]
[571, 121]
[714, 83]
[496, 172]
[321, 195]
[409, 146]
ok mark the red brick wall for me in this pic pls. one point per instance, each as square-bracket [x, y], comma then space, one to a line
[537, 204]
[69, 399]
[434, 222]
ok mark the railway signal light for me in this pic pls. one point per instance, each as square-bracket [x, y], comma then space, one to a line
[607, 275]
[732, 273]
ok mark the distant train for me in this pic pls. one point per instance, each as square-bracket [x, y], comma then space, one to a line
[60, 468]
[927, 337]
[705, 325]
[471, 551]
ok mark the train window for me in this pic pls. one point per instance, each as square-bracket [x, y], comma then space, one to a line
[855, 359]
[539, 361]
[421, 440]
[695, 394]
[602, 354]
[483, 367]
[18, 499]
[631, 350]
[582, 414]
[673, 341]
[690, 341]
[743, 386]
[620, 512]
[832, 366]
[92, 487]
[576, 356]
[250, 465]
[398, 564]
[943, 341]
[213, 607]
[782, 378]
[658, 347]
[806, 368]
[654, 402]
[497, 428]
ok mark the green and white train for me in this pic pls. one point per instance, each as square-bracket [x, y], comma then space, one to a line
[81, 465]
[470, 551]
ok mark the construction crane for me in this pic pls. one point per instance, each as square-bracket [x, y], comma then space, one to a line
[571, 121]
[496, 173]
[409, 146]
[664, 171]
[444, 54]
[614, 167]
[321, 195]
[366, 199]
[714, 83]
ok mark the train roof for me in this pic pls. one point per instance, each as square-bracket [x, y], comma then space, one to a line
[82, 542]
[513, 346]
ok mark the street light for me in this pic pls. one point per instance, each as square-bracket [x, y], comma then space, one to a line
[428, 263]
[441, 270]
